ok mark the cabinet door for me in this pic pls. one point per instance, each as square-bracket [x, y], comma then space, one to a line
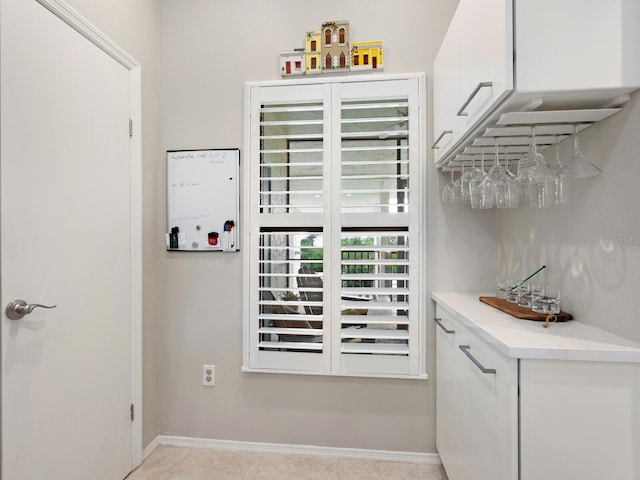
[473, 70]
[476, 405]
[445, 87]
[449, 427]
[485, 61]
[579, 420]
[489, 411]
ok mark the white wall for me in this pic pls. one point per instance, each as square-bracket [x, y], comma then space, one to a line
[135, 27]
[210, 49]
[594, 242]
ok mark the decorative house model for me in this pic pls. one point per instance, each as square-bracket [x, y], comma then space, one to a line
[366, 56]
[328, 51]
[313, 53]
[336, 53]
[292, 62]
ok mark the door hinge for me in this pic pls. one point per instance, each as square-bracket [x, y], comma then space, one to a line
[132, 415]
[130, 128]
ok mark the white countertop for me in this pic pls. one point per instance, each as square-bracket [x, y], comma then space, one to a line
[528, 339]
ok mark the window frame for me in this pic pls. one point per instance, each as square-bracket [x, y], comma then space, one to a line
[327, 366]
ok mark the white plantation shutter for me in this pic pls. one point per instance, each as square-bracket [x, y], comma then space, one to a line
[334, 208]
[374, 155]
[378, 272]
[290, 317]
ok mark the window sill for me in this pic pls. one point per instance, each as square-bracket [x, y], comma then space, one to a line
[361, 375]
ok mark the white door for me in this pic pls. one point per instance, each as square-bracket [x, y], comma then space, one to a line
[66, 240]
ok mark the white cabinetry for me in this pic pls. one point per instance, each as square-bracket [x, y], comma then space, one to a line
[501, 56]
[533, 403]
[473, 69]
[476, 406]
[578, 418]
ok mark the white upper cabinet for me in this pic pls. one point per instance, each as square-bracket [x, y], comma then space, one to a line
[500, 56]
[484, 57]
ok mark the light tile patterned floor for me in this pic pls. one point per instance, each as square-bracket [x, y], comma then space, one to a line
[176, 463]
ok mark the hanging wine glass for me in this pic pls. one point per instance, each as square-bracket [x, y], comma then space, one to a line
[465, 198]
[535, 175]
[449, 193]
[578, 166]
[507, 191]
[446, 191]
[468, 172]
[482, 193]
[564, 182]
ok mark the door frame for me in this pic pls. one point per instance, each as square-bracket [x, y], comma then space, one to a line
[81, 25]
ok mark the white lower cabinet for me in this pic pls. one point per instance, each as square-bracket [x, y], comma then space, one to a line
[528, 403]
[579, 420]
[476, 406]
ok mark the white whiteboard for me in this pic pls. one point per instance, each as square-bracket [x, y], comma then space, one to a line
[203, 197]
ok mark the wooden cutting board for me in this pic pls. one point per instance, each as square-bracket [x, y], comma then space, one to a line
[521, 312]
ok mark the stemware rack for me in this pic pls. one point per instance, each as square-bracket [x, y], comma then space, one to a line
[513, 130]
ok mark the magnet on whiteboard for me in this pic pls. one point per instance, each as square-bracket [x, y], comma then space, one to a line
[212, 238]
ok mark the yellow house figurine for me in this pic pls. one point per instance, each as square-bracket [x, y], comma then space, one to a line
[366, 56]
[313, 53]
[335, 50]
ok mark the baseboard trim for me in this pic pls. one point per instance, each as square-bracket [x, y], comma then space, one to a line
[151, 447]
[286, 449]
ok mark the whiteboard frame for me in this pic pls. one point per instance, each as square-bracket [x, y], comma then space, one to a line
[232, 208]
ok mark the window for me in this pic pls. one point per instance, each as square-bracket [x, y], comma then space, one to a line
[342, 35]
[313, 46]
[343, 60]
[327, 37]
[314, 63]
[334, 278]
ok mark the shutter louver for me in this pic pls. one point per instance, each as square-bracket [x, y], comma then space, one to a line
[290, 306]
[374, 156]
[291, 169]
[374, 310]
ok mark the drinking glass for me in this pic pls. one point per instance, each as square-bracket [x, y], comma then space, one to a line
[578, 166]
[465, 178]
[507, 191]
[564, 182]
[547, 301]
[448, 194]
[503, 284]
[482, 189]
[523, 298]
[511, 294]
[536, 176]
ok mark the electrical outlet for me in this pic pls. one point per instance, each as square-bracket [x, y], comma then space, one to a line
[209, 375]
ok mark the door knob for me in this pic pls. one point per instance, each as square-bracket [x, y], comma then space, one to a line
[19, 308]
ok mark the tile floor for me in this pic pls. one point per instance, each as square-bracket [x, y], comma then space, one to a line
[177, 463]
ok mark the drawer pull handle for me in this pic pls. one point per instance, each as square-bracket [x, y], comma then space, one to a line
[465, 350]
[481, 85]
[439, 139]
[441, 325]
